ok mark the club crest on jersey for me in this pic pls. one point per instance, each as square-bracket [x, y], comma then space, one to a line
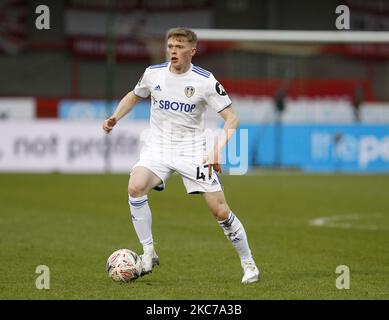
[189, 91]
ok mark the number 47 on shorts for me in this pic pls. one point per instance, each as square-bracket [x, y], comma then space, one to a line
[202, 172]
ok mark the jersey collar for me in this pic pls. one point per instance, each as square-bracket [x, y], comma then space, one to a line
[175, 75]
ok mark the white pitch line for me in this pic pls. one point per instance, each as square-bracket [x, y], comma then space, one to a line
[347, 221]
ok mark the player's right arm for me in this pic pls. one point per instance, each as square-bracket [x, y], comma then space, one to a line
[141, 91]
[125, 105]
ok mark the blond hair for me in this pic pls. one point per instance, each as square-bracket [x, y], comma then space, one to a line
[183, 32]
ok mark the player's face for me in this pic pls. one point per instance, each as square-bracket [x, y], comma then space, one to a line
[180, 53]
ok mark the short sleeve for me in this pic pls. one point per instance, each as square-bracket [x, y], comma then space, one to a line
[216, 96]
[142, 88]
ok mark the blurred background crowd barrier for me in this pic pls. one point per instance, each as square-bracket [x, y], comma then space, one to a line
[321, 107]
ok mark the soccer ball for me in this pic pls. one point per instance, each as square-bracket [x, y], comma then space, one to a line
[124, 265]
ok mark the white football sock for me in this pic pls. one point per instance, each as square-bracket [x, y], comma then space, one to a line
[141, 219]
[234, 231]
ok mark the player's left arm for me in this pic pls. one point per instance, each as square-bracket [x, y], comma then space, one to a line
[230, 124]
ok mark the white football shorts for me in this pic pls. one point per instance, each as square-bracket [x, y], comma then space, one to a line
[193, 172]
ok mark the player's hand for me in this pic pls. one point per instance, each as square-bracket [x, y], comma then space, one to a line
[109, 124]
[214, 162]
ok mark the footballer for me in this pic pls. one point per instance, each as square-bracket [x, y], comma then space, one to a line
[180, 94]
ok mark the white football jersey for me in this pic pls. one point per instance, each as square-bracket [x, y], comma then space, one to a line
[178, 105]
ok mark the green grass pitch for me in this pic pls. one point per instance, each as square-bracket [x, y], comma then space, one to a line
[72, 223]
